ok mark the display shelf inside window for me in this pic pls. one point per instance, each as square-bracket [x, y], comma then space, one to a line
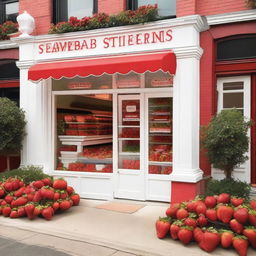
[160, 136]
[129, 135]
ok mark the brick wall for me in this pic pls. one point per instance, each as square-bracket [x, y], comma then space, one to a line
[111, 6]
[185, 7]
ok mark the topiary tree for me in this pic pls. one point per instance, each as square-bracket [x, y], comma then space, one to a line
[12, 128]
[226, 140]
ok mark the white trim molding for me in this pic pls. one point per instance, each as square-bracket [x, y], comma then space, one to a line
[8, 44]
[231, 17]
[188, 52]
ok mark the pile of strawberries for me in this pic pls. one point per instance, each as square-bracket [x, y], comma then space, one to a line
[39, 198]
[212, 221]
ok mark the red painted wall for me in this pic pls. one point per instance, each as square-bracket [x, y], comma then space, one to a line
[111, 6]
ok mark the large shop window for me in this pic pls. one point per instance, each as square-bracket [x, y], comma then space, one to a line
[236, 48]
[86, 121]
[9, 10]
[165, 7]
[63, 9]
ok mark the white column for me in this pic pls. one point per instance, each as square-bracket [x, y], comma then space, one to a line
[186, 124]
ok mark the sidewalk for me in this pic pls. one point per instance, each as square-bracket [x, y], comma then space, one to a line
[132, 233]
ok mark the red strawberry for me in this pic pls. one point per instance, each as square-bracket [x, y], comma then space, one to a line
[2, 192]
[20, 201]
[198, 234]
[63, 195]
[250, 233]
[210, 201]
[225, 213]
[174, 229]
[241, 215]
[202, 221]
[14, 213]
[47, 181]
[59, 184]
[252, 217]
[21, 211]
[223, 198]
[201, 208]
[8, 199]
[6, 210]
[190, 222]
[210, 240]
[28, 189]
[29, 209]
[171, 211]
[47, 213]
[236, 226]
[37, 197]
[55, 206]
[191, 206]
[185, 234]
[56, 196]
[19, 192]
[181, 214]
[162, 226]
[211, 214]
[15, 184]
[8, 186]
[76, 199]
[253, 204]
[38, 184]
[236, 201]
[70, 190]
[3, 202]
[30, 196]
[65, 204]
[226, 238]
[38, 210]
[240, 243]
[47, 193]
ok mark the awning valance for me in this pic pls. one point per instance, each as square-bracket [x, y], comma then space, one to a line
[139, 63]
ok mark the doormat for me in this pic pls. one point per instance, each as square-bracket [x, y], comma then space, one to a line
[120, 207]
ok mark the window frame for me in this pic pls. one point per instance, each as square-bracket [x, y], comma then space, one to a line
[2, 9]
[57, 6]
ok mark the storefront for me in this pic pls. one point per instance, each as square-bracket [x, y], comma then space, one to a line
[116, 111]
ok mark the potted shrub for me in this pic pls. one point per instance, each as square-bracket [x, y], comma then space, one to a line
[12, 128]
[226, 141]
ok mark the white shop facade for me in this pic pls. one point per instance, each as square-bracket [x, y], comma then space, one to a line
[115, 111]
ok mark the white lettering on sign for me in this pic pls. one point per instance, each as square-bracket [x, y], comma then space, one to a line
[117, 41]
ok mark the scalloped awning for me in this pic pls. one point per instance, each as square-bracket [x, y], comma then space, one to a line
[139, 63]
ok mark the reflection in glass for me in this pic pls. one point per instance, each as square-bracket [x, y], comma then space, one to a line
[233, 100]
[233, 86]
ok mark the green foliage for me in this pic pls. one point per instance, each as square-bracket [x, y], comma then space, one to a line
[226, 140]
[7, 28]
[102, 20]
[26, 173]
[12, 127]
[234, 187]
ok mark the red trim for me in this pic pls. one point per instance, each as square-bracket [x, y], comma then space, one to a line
[138, 63]
[245, 66]
[253, 129]
[9, 84]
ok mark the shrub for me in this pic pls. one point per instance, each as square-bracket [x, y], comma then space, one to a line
[226, 140]
[26, 173]
[234, 187]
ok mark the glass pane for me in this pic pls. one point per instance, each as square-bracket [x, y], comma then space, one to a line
[11, 11]
[158, 79]
[165, 7]
[80, 8]
[131, 80]
[233, 86]
[233, 100]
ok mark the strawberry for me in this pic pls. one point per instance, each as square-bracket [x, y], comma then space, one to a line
[223, 198]
[65, 205]
[59, 184]
[8, 186]
[56, 196]
[47, 213]
[6, 210]
[198, 234]
[185, 234]
[37, 197]
[201, 208]
[210, 201]
[21, 211]
[226, 238]
[252, 217]
[14, 213]
[37, 210]
[55, 206]
[75, 198]
[15, 184]
[171, 211]
[70, 190]
[162, 226]
[225, 213]
[250, 233]
[20, 201]
[191, 206]
[19, 192]
[190, 222]
[63, 195]
[47, 181]
[236, 226]
[181, 214]
[253, 204]
[47, 193]
[211, 214]
[241, 215]
[8, 198]
[3, 202]
[29, 209]
[38, 184]
[30, 196]
[28, 189]
[236, 201]
[202, 221]
[2, 192]
[174, 229]
[210, 240]
[240, 243]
